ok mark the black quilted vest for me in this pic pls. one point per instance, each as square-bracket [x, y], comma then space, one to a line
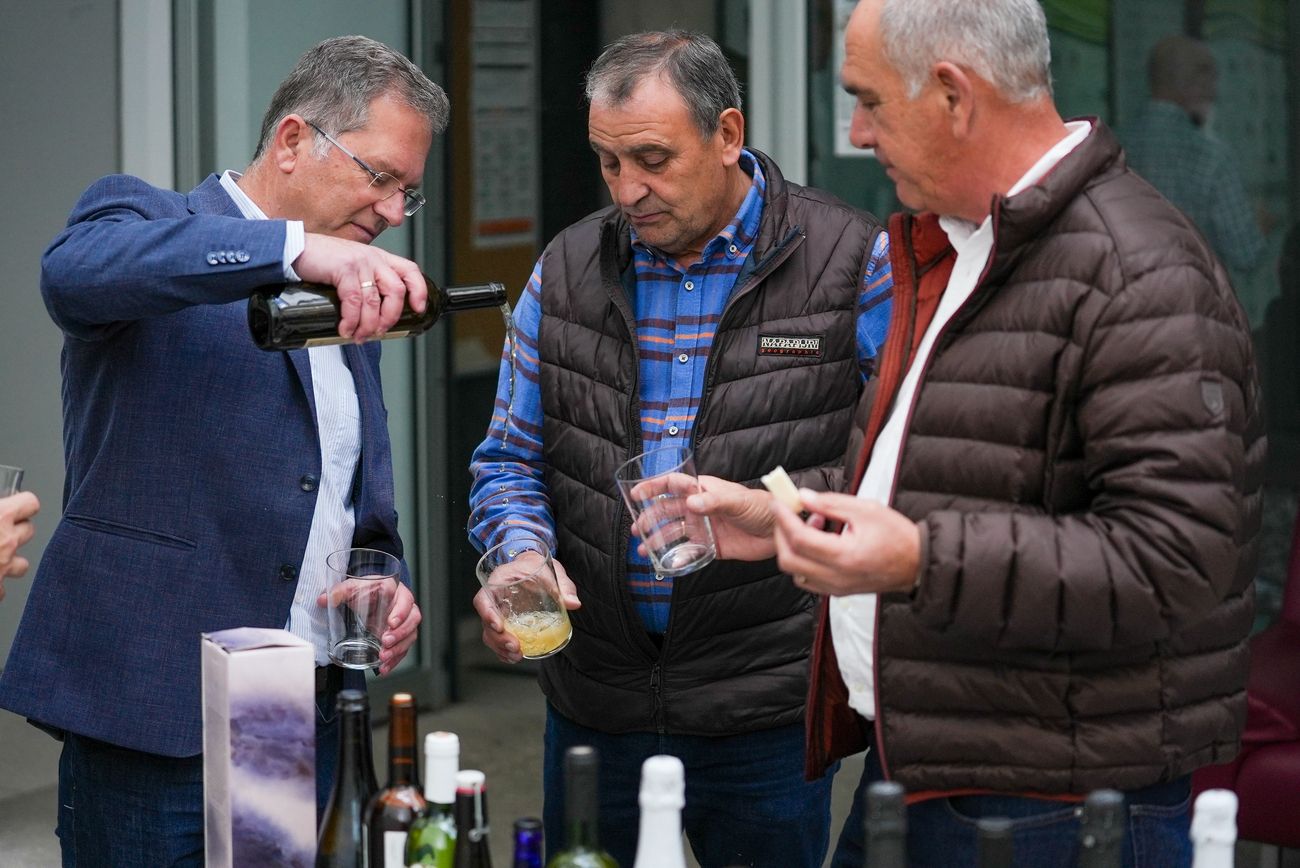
[735, 655]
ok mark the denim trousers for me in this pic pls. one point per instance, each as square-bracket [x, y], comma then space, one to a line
[125, 808]
[747, 802]
[941, 832]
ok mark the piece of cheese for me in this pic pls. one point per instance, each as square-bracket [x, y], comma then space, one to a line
[779, 483]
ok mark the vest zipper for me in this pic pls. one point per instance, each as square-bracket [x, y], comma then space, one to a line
[657, 699]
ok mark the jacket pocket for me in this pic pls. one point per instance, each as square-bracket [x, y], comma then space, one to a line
[129, 531]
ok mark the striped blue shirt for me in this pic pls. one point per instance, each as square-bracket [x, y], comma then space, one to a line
[677, 312]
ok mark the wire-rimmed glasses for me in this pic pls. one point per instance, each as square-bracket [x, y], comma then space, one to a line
[383, 182]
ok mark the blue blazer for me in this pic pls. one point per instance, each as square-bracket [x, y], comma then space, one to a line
[192, 464]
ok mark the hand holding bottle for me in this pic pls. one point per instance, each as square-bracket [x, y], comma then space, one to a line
[373, 285]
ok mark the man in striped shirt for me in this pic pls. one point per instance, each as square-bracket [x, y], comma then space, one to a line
[715, 306]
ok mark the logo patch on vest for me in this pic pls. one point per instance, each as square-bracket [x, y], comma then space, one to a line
[790, 345]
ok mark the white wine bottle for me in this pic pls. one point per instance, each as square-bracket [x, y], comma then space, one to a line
[663, 795]
[432, 839]
[581, 807]
[340, 843]
[1214, 829]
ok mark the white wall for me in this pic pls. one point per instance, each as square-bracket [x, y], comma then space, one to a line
[58, 62]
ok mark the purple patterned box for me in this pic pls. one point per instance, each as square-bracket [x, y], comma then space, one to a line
[259, 749]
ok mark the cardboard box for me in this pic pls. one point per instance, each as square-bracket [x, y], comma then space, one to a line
[259, 749]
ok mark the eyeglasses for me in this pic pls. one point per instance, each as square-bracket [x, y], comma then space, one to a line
[383, 182]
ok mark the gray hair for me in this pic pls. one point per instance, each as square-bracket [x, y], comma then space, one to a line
[691, 62]
[1003, 41]
[333, 84]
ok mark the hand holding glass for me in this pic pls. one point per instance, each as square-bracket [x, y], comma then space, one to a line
[519, 577]
[361, 587]
[655, 485]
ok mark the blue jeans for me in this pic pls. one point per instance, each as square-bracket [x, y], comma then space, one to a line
[746, 800]
[122, 807]
[941, 832]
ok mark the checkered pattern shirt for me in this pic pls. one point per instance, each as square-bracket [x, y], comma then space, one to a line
[677, 312]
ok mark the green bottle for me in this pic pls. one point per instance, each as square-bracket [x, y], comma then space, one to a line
[582, 849]
[432, 839]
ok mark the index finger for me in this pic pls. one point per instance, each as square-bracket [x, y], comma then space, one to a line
[417, 289]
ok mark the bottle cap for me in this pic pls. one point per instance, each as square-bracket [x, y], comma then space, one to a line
[1214, 817]
[470, 780]
[663, 782]
[437, 744]
[352, 700]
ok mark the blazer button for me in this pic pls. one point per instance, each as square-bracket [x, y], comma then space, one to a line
[308, 482]
[242, 256]
[212, 258]
[288, 572]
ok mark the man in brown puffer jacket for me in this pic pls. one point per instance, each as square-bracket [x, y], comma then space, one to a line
[1066, 431]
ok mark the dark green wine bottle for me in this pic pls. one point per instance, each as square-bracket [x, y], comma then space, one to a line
[290, 316]
[339, 843]
[581, 813]
[886, 826]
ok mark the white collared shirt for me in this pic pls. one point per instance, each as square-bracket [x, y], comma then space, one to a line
[338, 426]
[853, 617]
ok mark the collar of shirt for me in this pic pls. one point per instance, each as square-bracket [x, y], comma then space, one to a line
[960, 231]
[743, 228]
[247, 207]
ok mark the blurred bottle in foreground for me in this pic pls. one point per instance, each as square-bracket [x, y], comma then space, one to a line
[340, 841]
[432, 839]
[471, 821]
[528, 843]
[1101, 830]
[996, 843]
[886, 826]
[581, 809]
[400, 803]
[1214, 829]
[663, 795]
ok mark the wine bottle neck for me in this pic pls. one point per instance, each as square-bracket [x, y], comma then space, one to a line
[356, 763]
[401, 746]
[659, 842]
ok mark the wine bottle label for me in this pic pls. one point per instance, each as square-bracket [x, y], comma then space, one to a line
[394, 849]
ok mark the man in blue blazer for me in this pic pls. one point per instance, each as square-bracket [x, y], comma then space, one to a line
[207, 479]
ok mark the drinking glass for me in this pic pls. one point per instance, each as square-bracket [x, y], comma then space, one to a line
[361, 587]
[11, 479]
[655, 485]
[519, 576]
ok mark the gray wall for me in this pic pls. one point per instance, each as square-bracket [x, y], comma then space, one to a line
[58, 62]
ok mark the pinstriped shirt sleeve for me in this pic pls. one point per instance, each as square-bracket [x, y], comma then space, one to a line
[509, 499]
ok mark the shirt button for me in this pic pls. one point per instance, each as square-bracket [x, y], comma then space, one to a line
[288, 572]
[690, 284]
[733, 250]
[673, 430]
[683, 358]
[308, 482]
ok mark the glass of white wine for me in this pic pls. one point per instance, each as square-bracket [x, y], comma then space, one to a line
[519, 576]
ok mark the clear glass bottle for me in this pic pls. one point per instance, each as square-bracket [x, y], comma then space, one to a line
[399, 804]
[581, 813]
[339, 843]
[663, 795]
[432, 839]
[471, 821]
[290, 316]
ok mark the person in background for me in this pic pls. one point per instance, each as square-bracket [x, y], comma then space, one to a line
[643, 325]
[16, 528]
[1043, 583]
[1170, 145]
[207, 480]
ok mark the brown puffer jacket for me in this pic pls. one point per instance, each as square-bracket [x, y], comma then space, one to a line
[1085, 459]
